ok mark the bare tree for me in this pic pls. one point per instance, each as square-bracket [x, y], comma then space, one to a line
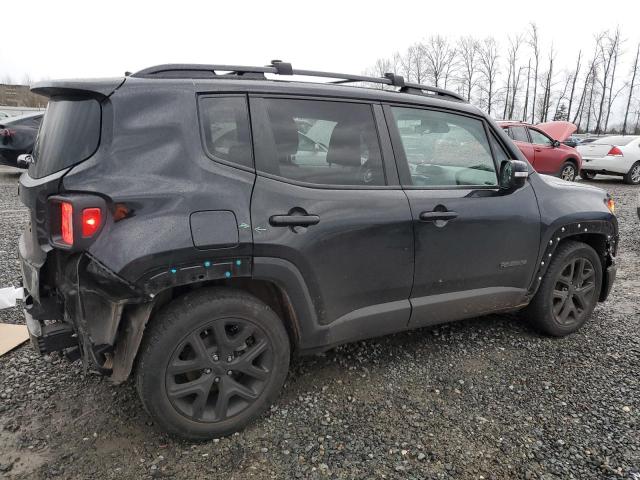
[546, 98]
[468, 53]
[534, 44]
[514, 90]
[573, 84]
[585, 93]
[592, 88]
[488, 63]
[608, 52]
[439, 55]
[418, 62]
[613, 96]
[406, 64]
[526, 98]
[512, 84]
[634, 72]
[562, 97]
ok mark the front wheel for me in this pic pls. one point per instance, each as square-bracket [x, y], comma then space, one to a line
[568, 292]
[633, 175]
[568, 172]
[212, 361]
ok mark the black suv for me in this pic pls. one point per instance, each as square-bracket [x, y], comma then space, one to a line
[196, 224]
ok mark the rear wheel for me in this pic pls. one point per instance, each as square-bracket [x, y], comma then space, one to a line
[213, 361]
[633, 175]
[587, 175]
[568, 172]
[568, 292]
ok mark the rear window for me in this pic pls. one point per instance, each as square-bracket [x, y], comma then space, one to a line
[619, 140]
[69, 134]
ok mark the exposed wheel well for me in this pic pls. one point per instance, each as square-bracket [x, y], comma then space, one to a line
[133, 329]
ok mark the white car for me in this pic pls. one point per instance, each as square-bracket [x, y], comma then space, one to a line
[614, 155]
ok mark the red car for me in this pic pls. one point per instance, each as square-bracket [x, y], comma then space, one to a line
[543, 147]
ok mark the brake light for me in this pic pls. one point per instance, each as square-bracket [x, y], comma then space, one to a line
[66, 222]
[91, 220]
[75, 220]
[615, 152]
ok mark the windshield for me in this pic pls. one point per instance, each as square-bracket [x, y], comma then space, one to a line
[69, 134]
[617, 140]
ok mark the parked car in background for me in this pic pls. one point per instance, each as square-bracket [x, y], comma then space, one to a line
[17, 136]
[542, 146]
[613, 155]
[572, 141]
[584, 141]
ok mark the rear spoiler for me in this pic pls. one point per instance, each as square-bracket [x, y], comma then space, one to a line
[100, 87]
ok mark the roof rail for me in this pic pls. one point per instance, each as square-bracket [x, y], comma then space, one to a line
[278, 67]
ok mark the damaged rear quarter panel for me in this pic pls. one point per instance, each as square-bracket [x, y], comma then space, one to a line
[151, 165]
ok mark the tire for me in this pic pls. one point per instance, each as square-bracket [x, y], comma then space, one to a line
[587, 175]
[632, 177]
[211, 361]
[561, 284]
[568, 171]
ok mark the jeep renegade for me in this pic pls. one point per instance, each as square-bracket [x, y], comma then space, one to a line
[196, 224]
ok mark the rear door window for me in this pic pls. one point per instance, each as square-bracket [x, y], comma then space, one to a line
[69, 134]
[321, 142]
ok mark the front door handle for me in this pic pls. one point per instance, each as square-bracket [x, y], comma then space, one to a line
[433, 216]
[293, 220]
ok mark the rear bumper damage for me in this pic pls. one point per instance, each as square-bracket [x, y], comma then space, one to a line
[91, 313]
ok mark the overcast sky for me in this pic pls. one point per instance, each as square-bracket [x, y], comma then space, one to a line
[63, 38]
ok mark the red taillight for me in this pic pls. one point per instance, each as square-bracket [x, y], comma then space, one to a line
[66, 222]
[615, 152]
[91, 220]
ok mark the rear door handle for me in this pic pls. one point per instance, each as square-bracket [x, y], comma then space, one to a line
[293, 220]
[433, 216]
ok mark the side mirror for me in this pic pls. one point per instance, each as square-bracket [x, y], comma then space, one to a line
[555, 144]
[513, 174]
[24, 160]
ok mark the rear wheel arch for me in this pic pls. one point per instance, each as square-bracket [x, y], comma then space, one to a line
[134, 328]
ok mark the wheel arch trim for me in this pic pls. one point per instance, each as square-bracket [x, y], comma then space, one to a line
[601, 235]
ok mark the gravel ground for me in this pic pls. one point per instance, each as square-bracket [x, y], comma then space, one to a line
[485, 398]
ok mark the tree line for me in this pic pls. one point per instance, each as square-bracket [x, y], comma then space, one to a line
[521, 81]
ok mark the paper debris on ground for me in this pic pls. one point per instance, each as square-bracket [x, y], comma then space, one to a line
[11, 336]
